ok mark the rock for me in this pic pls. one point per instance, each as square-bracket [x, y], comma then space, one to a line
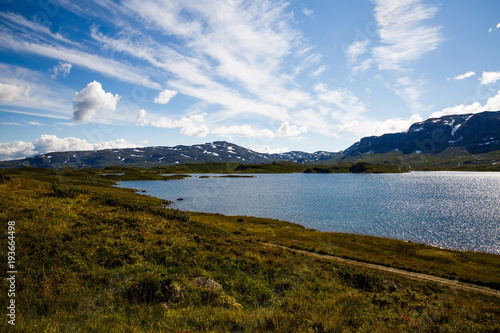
[206, 283]
[180, 199]
[240, 220]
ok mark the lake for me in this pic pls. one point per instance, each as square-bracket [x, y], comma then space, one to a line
[459, 210]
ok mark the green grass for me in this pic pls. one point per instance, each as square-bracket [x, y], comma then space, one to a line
[467, 266]
[94, 258]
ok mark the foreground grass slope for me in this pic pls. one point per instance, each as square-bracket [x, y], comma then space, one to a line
[92, 258]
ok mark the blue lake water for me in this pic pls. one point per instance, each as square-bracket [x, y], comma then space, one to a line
[458, 210]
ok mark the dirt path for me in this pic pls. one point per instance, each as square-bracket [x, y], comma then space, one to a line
[407, 274]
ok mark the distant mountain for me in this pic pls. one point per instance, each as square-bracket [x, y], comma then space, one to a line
[474, 133]
[219, 151]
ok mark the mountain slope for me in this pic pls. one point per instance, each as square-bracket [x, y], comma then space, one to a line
[476, 133]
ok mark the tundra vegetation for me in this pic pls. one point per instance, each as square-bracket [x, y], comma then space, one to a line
[96, 258]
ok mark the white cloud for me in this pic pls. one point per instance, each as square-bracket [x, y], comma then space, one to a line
[268, 150]
[245, 130]
[191, 126]
[14, 93]
[34, 123]
[320, 70]
[23, 87]
[308, 12]
[290, 130]
[16, 150]
[368, 127]
[493, 104]
[141, 117]
[62, 69]
[51, 143]
[464, 76]
[498, 25]
[490, 77]
[91, 99]
[165, 96]
[356, 49]
[246, 44]
[342, 98]
[403, 34]
[31, 28]
[89, 60]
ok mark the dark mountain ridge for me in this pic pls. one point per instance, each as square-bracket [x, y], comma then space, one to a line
[474, 133]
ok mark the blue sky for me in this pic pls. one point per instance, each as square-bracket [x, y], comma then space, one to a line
[269, 75]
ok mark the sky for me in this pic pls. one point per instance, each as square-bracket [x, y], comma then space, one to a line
[269, 75]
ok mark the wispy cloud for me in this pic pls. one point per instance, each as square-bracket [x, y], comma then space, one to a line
[464, 76]
[24, 88]
[308, 12]
[403, 33]
[62, 69]
[19, 43]
[356, 49]
[231, 54]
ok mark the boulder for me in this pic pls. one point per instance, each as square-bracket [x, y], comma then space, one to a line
[206, 283]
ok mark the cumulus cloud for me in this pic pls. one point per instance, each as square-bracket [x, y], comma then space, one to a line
[62, 69]
[191, 126]
[16, 150]
[165, 96]
[490, 77]
[92, 99]
[403, 32]
[493, 104]
[14, 93]
[51, 143]
[290, 130]
[464, 76]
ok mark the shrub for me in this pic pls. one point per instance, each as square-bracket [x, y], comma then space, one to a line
[360, 279]
[63, 191]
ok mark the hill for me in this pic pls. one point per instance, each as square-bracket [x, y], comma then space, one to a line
[96, 258]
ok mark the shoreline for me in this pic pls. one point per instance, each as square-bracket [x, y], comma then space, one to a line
[457, 244]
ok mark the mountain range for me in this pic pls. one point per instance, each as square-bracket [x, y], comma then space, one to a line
[469, 133]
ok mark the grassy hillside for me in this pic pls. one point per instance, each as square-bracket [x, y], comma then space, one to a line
[452, 159]
[93, 258]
